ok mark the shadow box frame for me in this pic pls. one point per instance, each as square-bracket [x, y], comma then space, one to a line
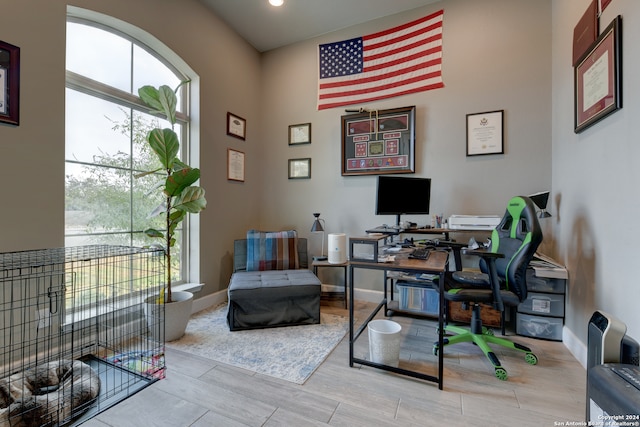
[603, 60]
[9, 83]
[379, 142]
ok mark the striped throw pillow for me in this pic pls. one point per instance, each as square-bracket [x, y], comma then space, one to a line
[277, 250]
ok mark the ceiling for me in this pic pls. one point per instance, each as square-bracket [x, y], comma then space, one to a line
[266, 27]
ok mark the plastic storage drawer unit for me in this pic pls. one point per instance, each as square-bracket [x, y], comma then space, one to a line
[549, 328]
[543, 304]
[545, 284]
[419, 299]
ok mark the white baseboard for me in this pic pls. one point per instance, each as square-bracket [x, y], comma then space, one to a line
[577, 348]
[210, 300]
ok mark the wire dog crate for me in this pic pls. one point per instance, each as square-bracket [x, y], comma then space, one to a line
[74, 340]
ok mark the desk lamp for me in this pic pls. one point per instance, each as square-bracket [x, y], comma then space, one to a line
[318, 227]
[540, 200]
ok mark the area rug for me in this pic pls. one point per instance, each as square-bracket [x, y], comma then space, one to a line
[290, 353]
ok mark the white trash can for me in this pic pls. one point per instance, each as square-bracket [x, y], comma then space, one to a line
[384, 342]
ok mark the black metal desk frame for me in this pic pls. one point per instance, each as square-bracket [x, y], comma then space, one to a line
[436, 264]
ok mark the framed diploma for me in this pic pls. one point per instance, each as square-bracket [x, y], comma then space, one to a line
[485, 133]
[300, 168]
[235, 165]
[9, 83]
[236, 126]
[300, 134]
[598, 78]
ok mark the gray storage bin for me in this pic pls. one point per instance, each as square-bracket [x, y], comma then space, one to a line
[543, 304]
[545, 284]
[549, 328]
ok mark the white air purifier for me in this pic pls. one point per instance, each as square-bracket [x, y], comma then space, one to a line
[337, 248]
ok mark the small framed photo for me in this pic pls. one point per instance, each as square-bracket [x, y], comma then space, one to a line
[598, 78]
[300, 168]
[236, 126]
[9, 83]
[485, 133]
[300, 134]
[235, 165]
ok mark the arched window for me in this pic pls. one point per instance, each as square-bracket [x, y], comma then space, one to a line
[106, 125]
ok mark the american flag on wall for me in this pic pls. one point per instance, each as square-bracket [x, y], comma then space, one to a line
[402, 60]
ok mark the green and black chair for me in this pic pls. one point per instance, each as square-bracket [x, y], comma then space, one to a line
[501, 280]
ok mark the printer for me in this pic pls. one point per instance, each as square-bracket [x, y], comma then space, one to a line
[474, 222]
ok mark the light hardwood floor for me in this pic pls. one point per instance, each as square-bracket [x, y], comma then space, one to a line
[199, 392]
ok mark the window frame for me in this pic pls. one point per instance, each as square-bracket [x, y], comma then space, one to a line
[189, 254]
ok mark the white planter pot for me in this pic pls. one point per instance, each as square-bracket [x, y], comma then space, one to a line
[167, 322]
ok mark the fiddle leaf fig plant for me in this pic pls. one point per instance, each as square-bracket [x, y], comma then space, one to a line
[180, 195]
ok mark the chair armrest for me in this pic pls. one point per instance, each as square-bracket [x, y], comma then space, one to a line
[490, 258]
[454, 247]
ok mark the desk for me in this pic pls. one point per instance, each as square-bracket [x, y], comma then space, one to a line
[435, 264]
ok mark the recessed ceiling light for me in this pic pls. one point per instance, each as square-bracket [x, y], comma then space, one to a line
[276, 2]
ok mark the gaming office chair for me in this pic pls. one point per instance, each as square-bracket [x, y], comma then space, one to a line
[502, 281]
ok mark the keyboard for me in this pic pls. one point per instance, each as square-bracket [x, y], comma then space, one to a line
[420, 253]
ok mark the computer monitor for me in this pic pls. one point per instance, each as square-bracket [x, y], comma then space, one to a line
[403, 196]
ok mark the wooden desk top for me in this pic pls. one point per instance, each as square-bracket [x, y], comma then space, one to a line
[436, 263]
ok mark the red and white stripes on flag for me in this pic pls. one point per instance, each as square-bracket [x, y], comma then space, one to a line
[402, 60]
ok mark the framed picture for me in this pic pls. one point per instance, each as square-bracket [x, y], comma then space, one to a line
[379, 142]
[300, 134]
[485, 133]
[236, 126]
[9, 83]
[300, 168]
[235, 165]
[598, 78]
[585, 32]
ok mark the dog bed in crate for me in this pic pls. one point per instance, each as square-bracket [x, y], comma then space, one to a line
[50, 394]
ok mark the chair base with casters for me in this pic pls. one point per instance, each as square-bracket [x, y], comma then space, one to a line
[482, 337]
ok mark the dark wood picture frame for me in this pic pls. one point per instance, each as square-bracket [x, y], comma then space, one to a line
[235, 165]
[485, 133]
[300, 134]
[300, 168]
[598, 78]
[236, 126]
[9, 83]
[379, 142]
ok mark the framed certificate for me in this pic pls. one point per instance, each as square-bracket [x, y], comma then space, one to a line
[300, 134]
[236, 126]
[300, 168]
[598, 77]
[9, 83]
[485, 133]
[235, 165]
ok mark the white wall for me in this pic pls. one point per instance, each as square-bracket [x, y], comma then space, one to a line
[33, 153]
[496, 56]
[595, 182]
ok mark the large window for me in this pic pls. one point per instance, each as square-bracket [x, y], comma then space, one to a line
[106, 125]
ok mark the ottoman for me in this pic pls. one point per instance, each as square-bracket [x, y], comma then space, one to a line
[266, 299]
